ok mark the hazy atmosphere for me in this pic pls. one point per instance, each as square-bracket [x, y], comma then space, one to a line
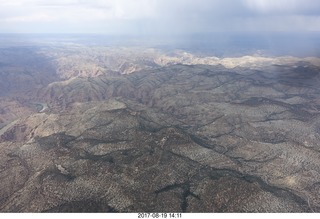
[185, 106]
[158, 16]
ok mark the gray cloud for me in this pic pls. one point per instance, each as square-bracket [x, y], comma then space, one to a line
[284, 7]
[158, 16]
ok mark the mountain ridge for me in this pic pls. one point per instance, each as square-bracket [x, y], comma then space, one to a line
[173, 138]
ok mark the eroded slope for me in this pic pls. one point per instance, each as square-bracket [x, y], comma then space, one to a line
[181, 138]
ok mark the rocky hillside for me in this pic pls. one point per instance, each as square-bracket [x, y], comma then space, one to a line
[26, 70]
[22, 71]
[181, 138]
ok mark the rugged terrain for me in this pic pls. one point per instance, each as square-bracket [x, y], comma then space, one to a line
[172, 136]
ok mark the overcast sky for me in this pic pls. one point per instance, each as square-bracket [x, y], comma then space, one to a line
[157, 16]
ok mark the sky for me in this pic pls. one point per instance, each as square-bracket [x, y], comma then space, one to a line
[158, 16]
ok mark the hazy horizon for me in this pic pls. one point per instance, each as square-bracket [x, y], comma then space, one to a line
[213, 27]
[218, 44]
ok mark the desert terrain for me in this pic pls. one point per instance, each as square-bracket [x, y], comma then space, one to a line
[106, 129]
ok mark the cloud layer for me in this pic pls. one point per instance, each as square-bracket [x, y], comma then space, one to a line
[158, 16]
